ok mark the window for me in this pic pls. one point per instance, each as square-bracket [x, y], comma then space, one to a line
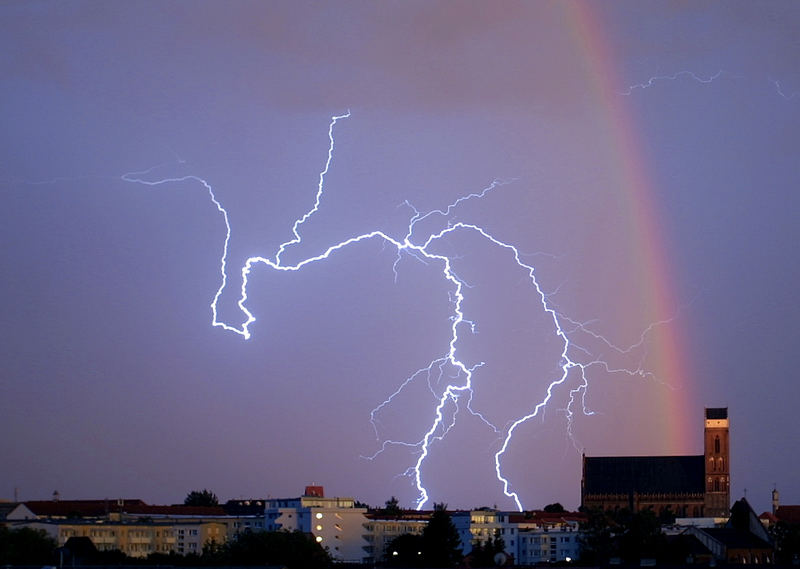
[716, 444]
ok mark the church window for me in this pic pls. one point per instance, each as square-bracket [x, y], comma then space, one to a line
[716, 445]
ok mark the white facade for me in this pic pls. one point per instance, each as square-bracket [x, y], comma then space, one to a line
[477, 526]
[548, 546]
[335, 523]
[533, 538]
[381, 532]
[135, 539]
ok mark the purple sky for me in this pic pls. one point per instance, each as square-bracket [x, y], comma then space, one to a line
[114, 382]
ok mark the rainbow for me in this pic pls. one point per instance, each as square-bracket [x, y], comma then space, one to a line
[638, 185]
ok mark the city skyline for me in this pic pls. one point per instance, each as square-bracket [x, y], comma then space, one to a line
[625, 256]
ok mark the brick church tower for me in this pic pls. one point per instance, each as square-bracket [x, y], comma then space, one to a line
[717, 463]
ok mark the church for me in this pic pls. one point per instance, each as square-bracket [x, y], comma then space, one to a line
[685, 486]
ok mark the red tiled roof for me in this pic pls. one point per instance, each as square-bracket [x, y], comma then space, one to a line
[84, 508]
[542, 517]
[788, 514]
[175, 510]
[405, 515]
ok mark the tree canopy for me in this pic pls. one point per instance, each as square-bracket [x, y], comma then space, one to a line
[441, 546]
[25, 546]
[482, 554]
[405, 551]
[630, 536]
[202, 497]
[392, 507]
[293, 549]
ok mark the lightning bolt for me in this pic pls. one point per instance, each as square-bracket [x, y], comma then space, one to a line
[657, 78]
[780, 91]
[705, 80]
[448, 367]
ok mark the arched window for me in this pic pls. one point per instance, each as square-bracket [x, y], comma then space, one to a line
[716, 445]
[722, 464]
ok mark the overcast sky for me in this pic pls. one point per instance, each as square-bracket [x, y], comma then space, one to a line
[646, 165]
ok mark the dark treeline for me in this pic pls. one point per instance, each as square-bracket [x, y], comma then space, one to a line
[437, 546]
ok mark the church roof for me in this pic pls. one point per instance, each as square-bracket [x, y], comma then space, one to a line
[733, 538]
[643, 474]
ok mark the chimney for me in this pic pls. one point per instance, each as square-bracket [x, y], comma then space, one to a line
[314, 491]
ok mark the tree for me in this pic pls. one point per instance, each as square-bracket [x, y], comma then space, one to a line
[293, 549]
[556, 508]
[441, 546]
[202, 497]
[392, 507]
[787, 542]
[25, 546]
[482, 554]
[642, 537]
[628, 535]
[595, 538]
[405, 551]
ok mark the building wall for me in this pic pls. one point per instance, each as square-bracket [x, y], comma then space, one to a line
[379, 533]
[547, 546]
[335, 523]
[528, 540]
[476, 526]
[135, 539]
[681, 505]
[717, 462]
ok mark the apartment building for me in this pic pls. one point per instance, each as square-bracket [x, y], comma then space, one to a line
[336, 523]
[528, 537]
